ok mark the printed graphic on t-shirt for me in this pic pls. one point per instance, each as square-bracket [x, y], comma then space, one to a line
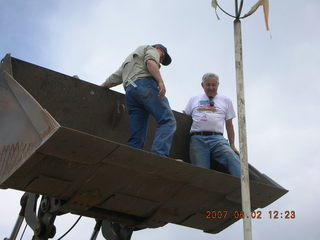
[204, 106]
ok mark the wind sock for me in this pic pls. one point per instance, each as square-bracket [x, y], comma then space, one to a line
[214, 4]
[265, 4]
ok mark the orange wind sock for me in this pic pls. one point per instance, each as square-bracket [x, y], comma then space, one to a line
[265, 4]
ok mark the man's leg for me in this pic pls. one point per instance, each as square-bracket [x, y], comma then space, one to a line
[166, 128]
[199, 152]
[160, 109]
[138, 118]
[223, 154]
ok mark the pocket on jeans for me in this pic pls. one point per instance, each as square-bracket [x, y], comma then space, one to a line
[144, 92]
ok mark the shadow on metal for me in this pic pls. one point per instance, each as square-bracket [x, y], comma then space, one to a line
[66, 138]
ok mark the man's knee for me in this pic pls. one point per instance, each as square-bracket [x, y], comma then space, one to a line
[173, 124]
[170, 122]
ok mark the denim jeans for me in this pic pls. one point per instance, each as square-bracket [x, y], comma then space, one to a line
[142, 101]
[204, 149]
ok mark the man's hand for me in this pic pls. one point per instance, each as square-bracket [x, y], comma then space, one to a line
[235, 149]
[104, 85]
[162, 89]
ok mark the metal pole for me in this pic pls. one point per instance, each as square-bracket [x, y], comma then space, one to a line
[245, 188]
[236, 8]
[96, 230]
[16, 228]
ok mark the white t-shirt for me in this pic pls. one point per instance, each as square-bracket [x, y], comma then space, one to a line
[209, 118]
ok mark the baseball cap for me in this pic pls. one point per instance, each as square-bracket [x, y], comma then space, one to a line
[167, 59]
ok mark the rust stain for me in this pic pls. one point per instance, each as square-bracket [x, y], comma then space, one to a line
[12, 156]
[52, 124]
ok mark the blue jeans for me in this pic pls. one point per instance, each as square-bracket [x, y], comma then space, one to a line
[142, 101]
[205, 149]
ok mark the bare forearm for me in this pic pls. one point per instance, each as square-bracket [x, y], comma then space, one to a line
[154, 70]
[230, 132]
[231, 136]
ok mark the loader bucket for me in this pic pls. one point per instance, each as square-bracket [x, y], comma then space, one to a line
[66, 138]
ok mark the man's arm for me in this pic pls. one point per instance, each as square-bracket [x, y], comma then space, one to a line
[188, 109]
[230, 133]
[114, 80]
[153, 68]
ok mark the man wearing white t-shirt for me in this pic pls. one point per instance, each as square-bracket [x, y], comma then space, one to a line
[210, 112]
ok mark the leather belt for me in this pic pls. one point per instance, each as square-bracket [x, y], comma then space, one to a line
[205, 133]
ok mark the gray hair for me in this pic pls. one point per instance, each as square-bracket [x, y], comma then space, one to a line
[208, 75]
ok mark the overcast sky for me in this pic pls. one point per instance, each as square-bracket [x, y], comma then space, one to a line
[282, 86]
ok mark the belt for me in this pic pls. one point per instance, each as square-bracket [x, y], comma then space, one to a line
[132, 82]
[206, 133]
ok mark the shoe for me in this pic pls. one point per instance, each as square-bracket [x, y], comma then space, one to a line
[178, 160]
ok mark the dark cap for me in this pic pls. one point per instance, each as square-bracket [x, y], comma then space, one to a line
[167, 59]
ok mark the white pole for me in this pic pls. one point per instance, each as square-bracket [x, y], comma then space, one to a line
[245, 187]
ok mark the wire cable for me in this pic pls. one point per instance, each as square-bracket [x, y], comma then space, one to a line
[25, 227]
[70, 228]
[240, 8]
[230, 15]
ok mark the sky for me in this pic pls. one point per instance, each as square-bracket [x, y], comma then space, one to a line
[281, 80]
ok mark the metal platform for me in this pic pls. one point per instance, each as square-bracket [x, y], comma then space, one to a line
[66, 138]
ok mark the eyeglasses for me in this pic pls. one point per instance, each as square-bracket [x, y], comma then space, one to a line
[211, 102]
[211, 84]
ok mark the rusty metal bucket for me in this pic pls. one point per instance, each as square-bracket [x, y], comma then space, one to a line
[66, 138]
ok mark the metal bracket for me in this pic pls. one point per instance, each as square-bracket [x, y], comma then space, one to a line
[43, 223]
[115, 231]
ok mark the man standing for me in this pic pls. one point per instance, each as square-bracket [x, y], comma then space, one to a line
[210, 112]
[145, 95]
